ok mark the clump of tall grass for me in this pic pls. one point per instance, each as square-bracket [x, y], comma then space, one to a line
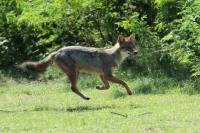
[190, 87]
[146, 85]
[87, 81]
[143, 85]
[3, 77]
[153, 84]
[118, 92]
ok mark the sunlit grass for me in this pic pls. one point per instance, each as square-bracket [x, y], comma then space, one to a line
[51, 107]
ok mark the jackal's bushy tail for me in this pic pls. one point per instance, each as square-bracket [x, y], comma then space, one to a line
[37, 66]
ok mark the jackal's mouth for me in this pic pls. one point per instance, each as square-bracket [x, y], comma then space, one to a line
[130, 53]
[135, 53]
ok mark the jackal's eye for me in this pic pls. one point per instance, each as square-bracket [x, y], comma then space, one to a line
[126, 48]
[129, 47]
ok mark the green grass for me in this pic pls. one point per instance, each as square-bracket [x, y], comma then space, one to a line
[51, 107]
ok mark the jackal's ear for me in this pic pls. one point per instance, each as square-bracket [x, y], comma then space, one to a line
[121, 39]
[132, 37]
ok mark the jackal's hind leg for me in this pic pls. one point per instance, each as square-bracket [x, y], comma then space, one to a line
[73, 77]
[106, 84]
[73, 80]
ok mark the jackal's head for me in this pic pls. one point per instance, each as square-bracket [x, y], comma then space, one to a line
[126, 45]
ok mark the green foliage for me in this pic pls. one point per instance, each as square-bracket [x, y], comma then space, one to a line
[139, 26]
[196, 70]
[167, 31]
[183, 38]
[169, 9]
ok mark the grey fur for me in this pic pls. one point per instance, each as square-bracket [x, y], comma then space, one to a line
[91, 58]
[75, 59]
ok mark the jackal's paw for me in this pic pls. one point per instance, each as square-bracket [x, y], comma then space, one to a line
[98, 87]
[102, 87]
[86, 98]
[129, 92]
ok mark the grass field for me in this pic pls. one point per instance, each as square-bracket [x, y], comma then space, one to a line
[51, 107]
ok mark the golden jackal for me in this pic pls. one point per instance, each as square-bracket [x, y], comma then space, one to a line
[75, 59]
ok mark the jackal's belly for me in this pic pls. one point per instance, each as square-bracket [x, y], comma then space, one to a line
[90, 70]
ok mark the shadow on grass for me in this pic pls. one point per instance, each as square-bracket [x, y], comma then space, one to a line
[10, 111]
[87, 108]
[69, 109]
[73, 109]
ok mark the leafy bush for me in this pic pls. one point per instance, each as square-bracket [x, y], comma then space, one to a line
[168, 9]
[167, 32]
[182, 41]
[147, 42]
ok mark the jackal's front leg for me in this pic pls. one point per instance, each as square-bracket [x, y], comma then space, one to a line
[106, 84]
[118, 81]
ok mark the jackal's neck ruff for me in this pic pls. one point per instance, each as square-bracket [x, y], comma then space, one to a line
[118, 56]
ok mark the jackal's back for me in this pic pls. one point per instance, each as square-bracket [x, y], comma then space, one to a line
[84, 58]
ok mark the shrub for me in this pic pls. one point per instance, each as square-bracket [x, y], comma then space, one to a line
[143, 85]
[190, 87]
[182, 38]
